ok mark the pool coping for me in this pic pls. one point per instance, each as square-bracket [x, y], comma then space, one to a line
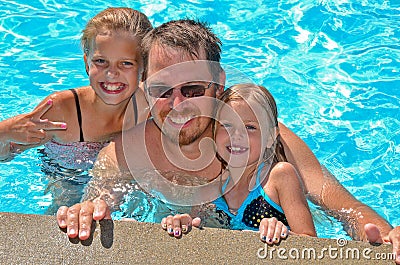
[36, 239]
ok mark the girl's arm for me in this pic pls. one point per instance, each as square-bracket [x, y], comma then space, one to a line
[285, 188]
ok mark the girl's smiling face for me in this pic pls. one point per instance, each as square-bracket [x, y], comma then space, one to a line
[239, 133]
[114, 66]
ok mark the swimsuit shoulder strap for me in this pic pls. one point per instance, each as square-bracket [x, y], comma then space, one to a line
[135, 108]
[78, 111]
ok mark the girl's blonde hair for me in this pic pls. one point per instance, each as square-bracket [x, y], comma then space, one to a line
[258, 94]
[115, 19]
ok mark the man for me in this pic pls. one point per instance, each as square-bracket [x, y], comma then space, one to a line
[181, 86]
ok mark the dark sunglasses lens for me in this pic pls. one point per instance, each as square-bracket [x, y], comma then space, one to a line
[160, 91]
[191, 91]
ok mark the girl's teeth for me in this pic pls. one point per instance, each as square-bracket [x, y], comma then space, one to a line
[113, 87]
[236, 149]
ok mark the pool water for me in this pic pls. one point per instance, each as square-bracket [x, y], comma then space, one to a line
[333, 67]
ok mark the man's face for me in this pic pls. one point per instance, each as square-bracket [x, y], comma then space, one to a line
[181, 93]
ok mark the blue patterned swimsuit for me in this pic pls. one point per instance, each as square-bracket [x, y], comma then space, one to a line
[255, 207]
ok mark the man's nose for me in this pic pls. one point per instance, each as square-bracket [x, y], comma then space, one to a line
[176, 98]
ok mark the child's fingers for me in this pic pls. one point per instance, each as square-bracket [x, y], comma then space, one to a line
[196, 222]
[32, 137]
[37, 113]
[177, 222]
[278, 232]
[52, 125]
[285, 232]
[264, 229]
[271, 229]
[164, 223]
[186, 223]
[41, 109]
[267, 229]
[169, 224]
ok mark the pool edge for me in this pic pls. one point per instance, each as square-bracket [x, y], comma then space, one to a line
[36, 239]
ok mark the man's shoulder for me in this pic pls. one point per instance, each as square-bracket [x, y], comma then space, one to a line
[138, 132]
[108, 151]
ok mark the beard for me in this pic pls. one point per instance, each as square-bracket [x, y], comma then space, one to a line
[184, 135]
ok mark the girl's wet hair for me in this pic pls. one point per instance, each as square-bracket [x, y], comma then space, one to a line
[120, 19]
[192, 37]
[252, 93]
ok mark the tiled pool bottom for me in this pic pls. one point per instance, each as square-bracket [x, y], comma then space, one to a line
[35, 239]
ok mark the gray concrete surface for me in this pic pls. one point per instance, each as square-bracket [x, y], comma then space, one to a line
[36, 239]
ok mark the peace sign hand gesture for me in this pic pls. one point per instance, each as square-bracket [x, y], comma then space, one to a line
[29, 129]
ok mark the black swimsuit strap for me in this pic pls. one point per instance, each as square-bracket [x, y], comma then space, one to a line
[135, 109]
[78, 111]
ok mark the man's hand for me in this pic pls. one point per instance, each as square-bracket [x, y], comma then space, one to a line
[374, 236]
[79, 217]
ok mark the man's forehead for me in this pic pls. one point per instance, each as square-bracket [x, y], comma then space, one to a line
[182, 73]
[173, 66]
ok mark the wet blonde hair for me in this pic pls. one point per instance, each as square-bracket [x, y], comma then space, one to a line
[122, 19]
[257, 94]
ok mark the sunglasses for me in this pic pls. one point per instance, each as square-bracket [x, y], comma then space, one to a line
[188, 91]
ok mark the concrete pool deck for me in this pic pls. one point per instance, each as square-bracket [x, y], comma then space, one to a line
[36, 239]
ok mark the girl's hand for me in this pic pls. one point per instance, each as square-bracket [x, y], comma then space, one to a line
[178, 224]
[272, 230]
[30, 128]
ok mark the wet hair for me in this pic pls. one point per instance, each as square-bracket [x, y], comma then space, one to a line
[252, 93]
[121, 19]
[191, 37]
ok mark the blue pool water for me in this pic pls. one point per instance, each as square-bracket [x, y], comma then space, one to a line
[333, 67]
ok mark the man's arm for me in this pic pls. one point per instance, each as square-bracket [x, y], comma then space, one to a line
[324, 190]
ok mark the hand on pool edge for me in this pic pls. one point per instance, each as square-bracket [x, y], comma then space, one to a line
[79, 217]
[272, 231]
[179, 224]
[374, 236]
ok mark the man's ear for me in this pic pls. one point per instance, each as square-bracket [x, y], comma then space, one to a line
[221, 83]
[86, 63]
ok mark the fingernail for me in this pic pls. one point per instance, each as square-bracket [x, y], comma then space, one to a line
[49, 102]
[275, 239]
[177, 233]
[184, 228]
[72, 231]
[83, 233]
[283, 235]
[64, 126]
[164, 226]
[270, 240]
[170, 230]
[263, 238]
